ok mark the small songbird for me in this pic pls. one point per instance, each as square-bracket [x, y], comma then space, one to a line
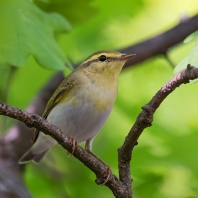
[82, 102]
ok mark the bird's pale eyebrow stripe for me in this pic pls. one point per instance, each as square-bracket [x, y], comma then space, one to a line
[92, 58]
[95, 59]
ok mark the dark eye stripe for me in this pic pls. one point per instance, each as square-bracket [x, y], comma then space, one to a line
[88, 63]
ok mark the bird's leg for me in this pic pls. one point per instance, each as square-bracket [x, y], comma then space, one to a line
[74, 145]
[107, 169]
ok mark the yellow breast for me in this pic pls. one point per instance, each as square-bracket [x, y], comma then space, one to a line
[103, 94]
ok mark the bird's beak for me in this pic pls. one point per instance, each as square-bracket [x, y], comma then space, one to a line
[126, 57]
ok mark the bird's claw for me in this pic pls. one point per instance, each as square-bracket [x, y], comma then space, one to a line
[108, 176]
[74, 146]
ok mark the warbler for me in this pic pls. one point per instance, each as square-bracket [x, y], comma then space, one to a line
[82, 102]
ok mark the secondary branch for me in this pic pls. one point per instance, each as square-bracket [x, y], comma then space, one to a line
[145, 119]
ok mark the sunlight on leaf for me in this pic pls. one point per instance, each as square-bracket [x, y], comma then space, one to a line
[191, 58]
[30, 31]
[191, 37]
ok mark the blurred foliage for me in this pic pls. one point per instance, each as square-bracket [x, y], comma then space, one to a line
[191, 58]
[28, 30]
[164, 163]
[68, 9]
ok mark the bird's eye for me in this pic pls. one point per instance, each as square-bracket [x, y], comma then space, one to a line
[102, 58]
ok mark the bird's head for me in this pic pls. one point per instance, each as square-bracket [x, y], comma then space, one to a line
[105, 62]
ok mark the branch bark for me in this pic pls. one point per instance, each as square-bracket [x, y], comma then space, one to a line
[19, 136]
[94, 164]
[120, 187]
[17, 141]
[145, 119]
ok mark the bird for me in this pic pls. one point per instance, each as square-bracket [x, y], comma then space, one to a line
[82, 102]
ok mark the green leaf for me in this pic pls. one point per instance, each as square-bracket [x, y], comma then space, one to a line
[27, 30]
[76, 12]
[191, 58]
[191, 37]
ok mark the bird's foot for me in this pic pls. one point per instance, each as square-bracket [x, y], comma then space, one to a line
[74, 146]
[108, 170]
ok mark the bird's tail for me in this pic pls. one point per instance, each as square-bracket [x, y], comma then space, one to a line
[30, 156]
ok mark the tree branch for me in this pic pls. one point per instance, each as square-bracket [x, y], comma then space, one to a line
[161, 43]
[122, 187]
[33, 120]
[19, 136]
[145, 119]
[17, 141]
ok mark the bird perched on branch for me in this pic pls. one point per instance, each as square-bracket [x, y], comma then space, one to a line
[82, 102]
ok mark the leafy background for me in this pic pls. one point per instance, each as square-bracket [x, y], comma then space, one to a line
[164, 163]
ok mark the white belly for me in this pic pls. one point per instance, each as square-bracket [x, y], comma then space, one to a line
[80, 122]
[81, 117]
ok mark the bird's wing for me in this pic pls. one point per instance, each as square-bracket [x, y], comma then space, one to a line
[58, 95]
